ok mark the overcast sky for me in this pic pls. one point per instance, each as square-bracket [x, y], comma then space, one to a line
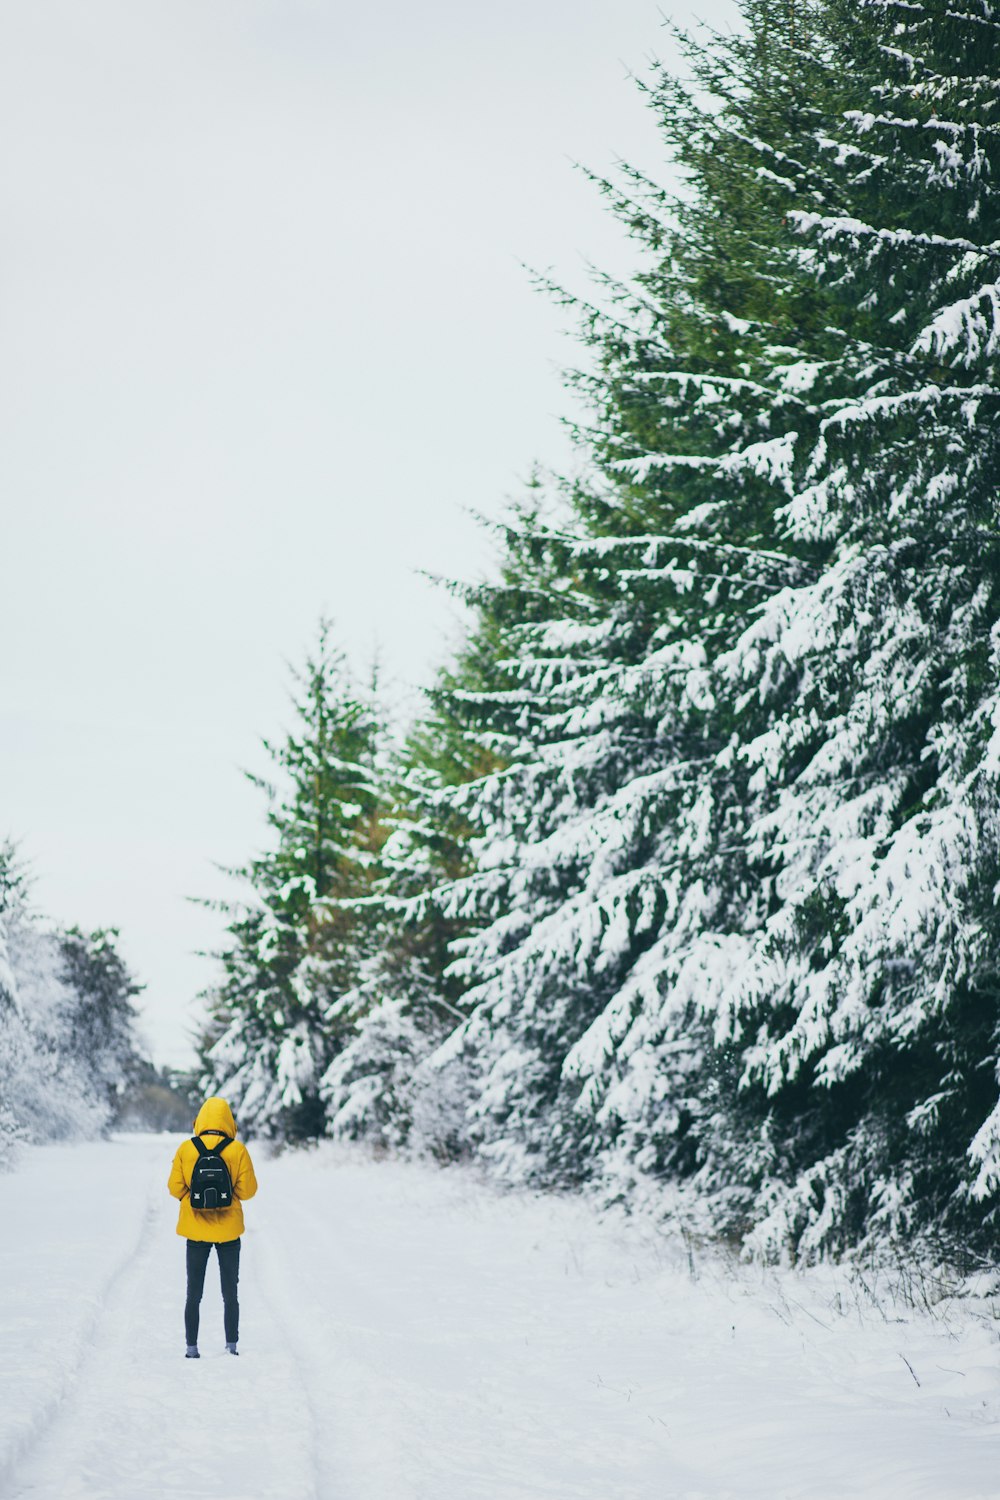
[265, 338]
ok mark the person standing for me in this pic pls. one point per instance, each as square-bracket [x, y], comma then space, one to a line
[214, 1140]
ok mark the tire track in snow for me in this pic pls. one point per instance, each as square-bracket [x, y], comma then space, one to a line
[78, 1377]
[290, 1226]
[449, 1363]
[272, 1287]
[372, 1410]
[34, 1432]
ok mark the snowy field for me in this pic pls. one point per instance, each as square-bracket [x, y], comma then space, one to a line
[407, 1334]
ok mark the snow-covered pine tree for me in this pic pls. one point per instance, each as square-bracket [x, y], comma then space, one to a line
[297, 942]
[407, 1001]
[103, 1024]
[11, 1131]
[864, 1009]
[67, 1040]
[611, 842]
[733, 908]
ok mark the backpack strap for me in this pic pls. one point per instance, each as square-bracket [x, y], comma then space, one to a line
[215, 1150]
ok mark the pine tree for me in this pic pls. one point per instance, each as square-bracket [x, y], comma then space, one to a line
[865, 1009]
[68, 1046]
[740, 868]
[850, 982]
[707, 853]
[103, 1024]
[606, 846]
[12, 1132]
[297, 944]
[407, 999]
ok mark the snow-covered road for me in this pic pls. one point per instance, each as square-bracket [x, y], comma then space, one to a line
[407, 1334]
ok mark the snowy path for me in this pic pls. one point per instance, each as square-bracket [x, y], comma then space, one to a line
[408, 1335]
[107, 1416]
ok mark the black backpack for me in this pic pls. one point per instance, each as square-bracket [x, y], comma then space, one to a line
[211, 1184]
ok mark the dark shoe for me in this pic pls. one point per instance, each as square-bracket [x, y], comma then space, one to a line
[231, 1349]
[192, 1352]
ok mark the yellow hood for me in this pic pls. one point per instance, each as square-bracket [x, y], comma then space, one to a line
[215, 1114]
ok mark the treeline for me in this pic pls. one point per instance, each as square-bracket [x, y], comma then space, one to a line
[71, 1063]
[688, 877]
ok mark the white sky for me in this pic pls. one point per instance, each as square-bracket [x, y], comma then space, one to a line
[264, 337]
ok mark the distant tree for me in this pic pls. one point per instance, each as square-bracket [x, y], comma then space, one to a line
[410, 994]
[160, 1099]
[297, 941]
[103, 1021]
[68, 1047]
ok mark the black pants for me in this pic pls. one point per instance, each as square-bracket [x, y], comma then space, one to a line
[198, 1252]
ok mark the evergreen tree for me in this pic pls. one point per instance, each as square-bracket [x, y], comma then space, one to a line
[408, 999]
[814, 873]
[607, 844]
[297, 943]
[865, 1008]
[11, 1130]
[102, 1026]
[741, 864]
[699, 851]
[68, 1047]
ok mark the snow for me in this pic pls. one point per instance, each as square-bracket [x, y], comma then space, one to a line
[410, 1334]
[966, 329]
[833, 226]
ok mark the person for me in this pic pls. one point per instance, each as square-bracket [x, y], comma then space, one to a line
[221, 1227]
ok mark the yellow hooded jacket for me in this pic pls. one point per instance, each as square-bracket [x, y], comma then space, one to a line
[216, 1225]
